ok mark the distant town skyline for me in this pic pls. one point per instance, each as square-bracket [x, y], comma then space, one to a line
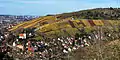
[44, 7]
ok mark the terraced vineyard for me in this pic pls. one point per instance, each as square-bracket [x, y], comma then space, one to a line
[33, 23]
[69, 22]
[50, 25]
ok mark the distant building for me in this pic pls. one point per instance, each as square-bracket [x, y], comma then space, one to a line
[14, 18]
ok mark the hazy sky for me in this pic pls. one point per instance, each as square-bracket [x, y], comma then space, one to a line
[44, 7]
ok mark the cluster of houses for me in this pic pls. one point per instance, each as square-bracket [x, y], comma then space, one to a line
[56, 48]
[25, 46]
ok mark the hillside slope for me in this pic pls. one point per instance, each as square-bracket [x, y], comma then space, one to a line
[98, 13]
[33, 23]
[70, 21]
